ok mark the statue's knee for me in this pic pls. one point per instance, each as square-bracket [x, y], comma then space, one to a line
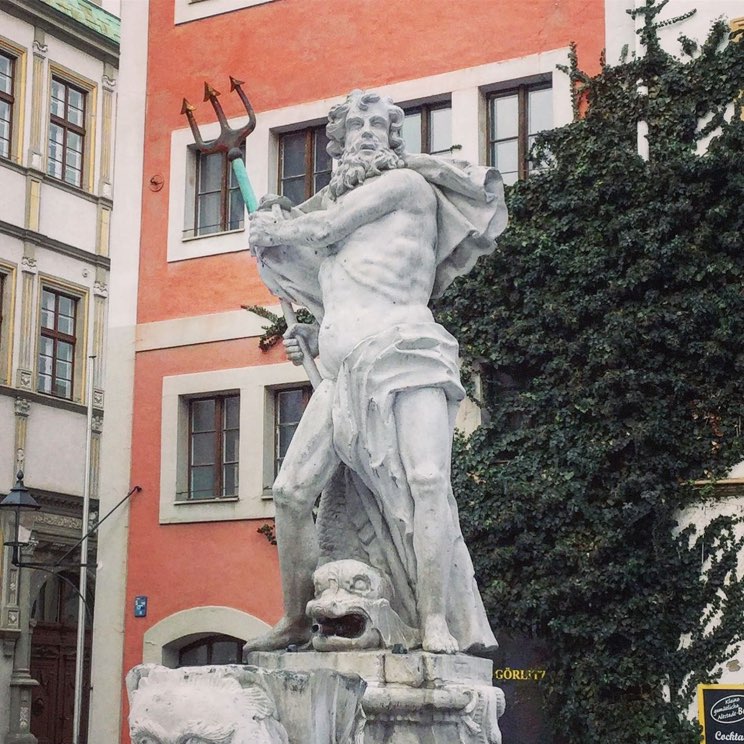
[427, 479]
[290, 498]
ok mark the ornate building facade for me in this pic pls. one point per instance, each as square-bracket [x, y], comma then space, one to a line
[58, 75]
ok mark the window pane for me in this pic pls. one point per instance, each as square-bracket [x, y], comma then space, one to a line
[285, 437]
[504, 117]
[291, 405]
[58, 99]
[230, 480]
[506, 156]
[231, 442]
[322, 158]
[202, 414]
[411, 132]
[209, 214]
[293, 154]
[321, 180]
[440, 127]
[63, 370]
[76, 105]
[45, 384]
[74, 145]
[73, 175]
[66, 306]
[64, 351]
[202, 482]
[62, 388]
[236, 215]
[540, 110]
[202, 449]
[294, 189]
[226, 652]
[232, 412]
[194, 656]
[45, 364]
[6, 74]
[210, 172]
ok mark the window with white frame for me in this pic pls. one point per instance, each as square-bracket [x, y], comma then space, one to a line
[428, 128]
[218, 204]
[7, 102]
[66, 147]
[58, 331]
[214, 441]
[515, 116]
[304, 163]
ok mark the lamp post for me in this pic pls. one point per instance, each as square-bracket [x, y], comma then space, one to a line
[21, 683]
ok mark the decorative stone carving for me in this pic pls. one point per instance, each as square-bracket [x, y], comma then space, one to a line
[22, 406]
[25, 377]
[416, 697]
[108, 83]
[212, 706]
[351, 610]
[58, 520]
[28, 265]
[243, 705]
[100, 289]
[40, 49]
[97, 424]
[391, 231]
[98, 398]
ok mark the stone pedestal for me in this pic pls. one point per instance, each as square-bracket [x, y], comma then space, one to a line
[411, 698]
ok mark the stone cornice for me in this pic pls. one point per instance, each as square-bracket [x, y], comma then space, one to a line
[43, 241]
[63, 27]
[47, 400]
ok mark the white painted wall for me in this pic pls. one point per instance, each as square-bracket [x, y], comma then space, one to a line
[619, 27]
[108, 625]
[13, 201]
[68, 218]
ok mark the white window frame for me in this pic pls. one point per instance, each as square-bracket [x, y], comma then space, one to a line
[254, 385]
[192, 10]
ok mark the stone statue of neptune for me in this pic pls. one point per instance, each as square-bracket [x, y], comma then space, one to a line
[366, 255]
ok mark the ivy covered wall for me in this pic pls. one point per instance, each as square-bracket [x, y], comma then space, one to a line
[608, 336]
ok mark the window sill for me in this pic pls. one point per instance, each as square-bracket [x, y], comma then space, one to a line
[219, 234]
[198, 246]
[191, 502]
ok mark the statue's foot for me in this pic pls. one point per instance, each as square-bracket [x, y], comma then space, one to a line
[286, 632]
[436, 636]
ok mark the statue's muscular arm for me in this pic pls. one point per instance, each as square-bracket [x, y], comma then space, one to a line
[399, 189]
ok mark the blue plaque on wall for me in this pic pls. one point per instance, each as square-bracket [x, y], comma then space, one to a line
[140, 606]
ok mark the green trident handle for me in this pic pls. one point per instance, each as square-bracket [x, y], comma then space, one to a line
[235, 156]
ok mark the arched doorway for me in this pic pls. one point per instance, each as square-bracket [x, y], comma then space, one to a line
[53, 652]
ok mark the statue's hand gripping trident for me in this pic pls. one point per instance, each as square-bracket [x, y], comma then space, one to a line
[229, 142]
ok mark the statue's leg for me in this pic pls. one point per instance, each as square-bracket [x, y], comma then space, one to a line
[308, 466]
[425, 445]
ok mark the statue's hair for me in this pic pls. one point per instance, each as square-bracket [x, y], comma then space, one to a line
[336, 127]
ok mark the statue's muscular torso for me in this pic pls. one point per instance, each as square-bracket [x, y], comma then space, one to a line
[382, 273]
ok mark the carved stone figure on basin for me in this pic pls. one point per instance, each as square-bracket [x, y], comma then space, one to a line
[366, 255]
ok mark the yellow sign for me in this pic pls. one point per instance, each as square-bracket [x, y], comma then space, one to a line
[721, 713]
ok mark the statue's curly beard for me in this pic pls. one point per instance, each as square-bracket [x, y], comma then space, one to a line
[357, 166]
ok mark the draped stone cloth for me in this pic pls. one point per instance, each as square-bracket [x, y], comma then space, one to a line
[370, 491]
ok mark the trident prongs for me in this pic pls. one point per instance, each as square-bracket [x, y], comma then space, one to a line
[229, 140]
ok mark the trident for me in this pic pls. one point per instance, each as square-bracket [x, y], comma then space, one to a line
[229, 141]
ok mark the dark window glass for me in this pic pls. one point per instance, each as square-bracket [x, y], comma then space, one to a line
[289, 405]
[515, 116]
[428, 129]
[215, 649]
[56, 359]
[66, 133]
[218, 203]
[214, 441]
[304, 164]
[7, 99]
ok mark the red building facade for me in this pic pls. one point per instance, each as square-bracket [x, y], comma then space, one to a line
[200, 415]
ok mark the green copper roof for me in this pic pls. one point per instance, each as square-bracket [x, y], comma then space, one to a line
[89, 15]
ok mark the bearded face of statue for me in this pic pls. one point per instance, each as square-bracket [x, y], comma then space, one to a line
[200, 706]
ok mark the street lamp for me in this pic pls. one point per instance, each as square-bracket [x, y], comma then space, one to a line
[20, 499]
